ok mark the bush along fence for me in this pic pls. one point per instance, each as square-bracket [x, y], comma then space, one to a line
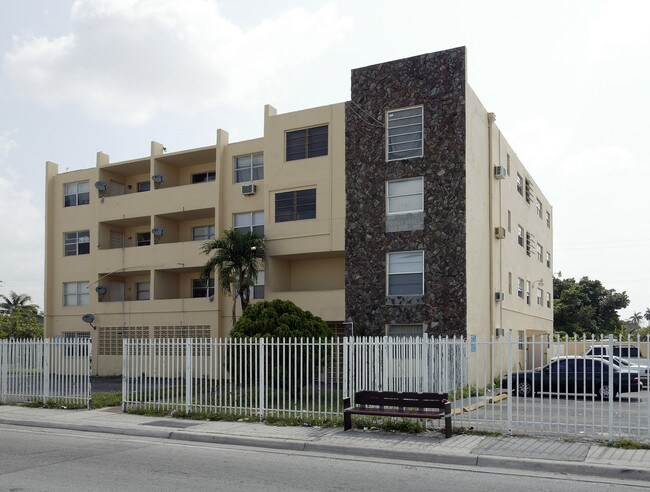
[507, 384]
[50, 371]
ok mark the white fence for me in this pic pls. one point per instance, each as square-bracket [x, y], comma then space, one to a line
[45, 370]
[310, 378]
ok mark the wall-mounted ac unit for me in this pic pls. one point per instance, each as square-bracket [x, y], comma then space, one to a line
[499, 332]
[499, 296]
[248, 190]
[500, 172]
[500, 232]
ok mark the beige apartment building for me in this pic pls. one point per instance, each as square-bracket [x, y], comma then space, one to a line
[401, 211]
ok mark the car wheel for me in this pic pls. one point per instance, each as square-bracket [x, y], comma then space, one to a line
[604, 390]
[523, 388]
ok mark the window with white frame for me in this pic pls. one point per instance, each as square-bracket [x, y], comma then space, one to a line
[202, 288]
[249, 222]
[258, 288]
[520, 184]
[521, 345]
[405, 133]
[540, 297]
[540, 254]
[249, 167]
[406, 273]
[143, 238]
[295, 205]
[76, 243]
[405, 196]
[75, 294]
[77, 193]
[548, 299]
[203, 233]
[538, 208]
[397, 331]
[548, 219]
[204, 177]
[142, 291]
[548, 259]
[528, 292]
[520, 235]
[520, 287]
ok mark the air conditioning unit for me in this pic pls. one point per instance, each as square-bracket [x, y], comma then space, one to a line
[248, 190]
[500, 232]
[499, 296]
[499, 332]
[500, 172]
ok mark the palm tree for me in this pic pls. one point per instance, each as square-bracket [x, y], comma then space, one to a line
[646, 315]
[18, 302]
[236, 257]
[636, 318]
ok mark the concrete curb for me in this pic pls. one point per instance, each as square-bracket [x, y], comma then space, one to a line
[434, 457]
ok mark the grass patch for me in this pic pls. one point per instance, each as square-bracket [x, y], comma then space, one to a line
[625, 443]
[408, 426]
[474, 432]
[107, 399]
[55, 403]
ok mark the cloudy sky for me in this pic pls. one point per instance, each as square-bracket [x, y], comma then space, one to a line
[568, 81]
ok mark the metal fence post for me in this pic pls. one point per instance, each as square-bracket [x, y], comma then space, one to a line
[89, 371]
[46, 370]
[262, 376]
[188, 375]
[4, 369]
[126, 359]
[610, 382]
[509, 389]
[346, 363]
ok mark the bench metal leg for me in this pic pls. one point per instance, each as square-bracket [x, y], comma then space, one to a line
[448, 429]
[347, 417]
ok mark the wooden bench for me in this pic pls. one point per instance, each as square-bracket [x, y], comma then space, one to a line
[395, 404]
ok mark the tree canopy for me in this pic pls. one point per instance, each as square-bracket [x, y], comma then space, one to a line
[20, 302]
[20, 324]
[586, 307]
[279, 318]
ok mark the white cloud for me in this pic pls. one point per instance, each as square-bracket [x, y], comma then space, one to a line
[126, 60]
[21, 241]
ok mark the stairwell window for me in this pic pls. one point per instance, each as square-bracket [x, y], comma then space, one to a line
[76, 193]
[202, 288]
[405, 196]
[306, 143]
[405, 273]
[77, 243]
[249, 168]
[295, 205]
[249, 222]
[405, 133]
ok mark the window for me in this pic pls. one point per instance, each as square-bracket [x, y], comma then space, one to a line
[202, 288]
[116, 239]
[540, 255]
[509, 282]
[76, 345]
[143, 238]
[540, 297]
[520, 287]
[548, 219]
[76, 194]
[295, 205]
[538, 208]
[521, 345]
[528, 292]
[203, 233]
[309, 142]
[76, 243]
[405, 196]
[249, 168]
[250, 222]
[529, 190]
[520, 184]
[406, 273]
[142, 291]
[548, 259]
[520, 235]
[258, 288]
[530, 244]
[116, 188]
[144, 186]
[75, 294]
[404, 330]
[204, 177]
[548, 299]
[404, 133]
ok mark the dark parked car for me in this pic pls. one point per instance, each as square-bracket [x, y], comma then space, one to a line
[574, 375]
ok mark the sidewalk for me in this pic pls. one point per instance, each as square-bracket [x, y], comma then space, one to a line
[554, 456]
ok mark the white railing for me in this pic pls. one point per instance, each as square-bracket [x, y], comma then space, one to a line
[310, 378]
[45, 370]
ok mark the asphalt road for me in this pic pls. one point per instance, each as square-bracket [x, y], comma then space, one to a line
[64, 460]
